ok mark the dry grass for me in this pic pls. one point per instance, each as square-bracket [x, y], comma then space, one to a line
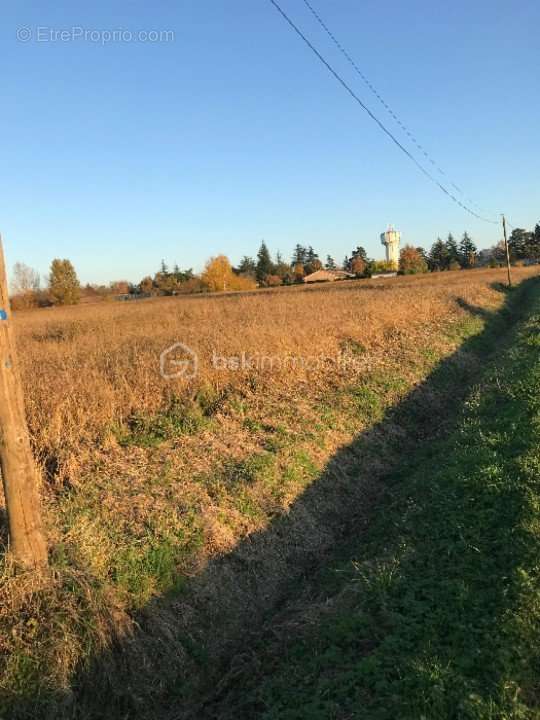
[147, 478]
[88, 369]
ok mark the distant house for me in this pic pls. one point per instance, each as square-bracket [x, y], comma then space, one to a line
[327, 276]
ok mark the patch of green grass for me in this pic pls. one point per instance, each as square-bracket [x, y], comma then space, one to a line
[255, 468]
[254, 426]
[154, 565]
[300, 468]
[143, 571]
[467, 327]
[247, 505]
[151, 431]
[368, 402]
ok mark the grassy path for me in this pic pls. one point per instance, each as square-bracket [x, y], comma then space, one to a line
[435, 612]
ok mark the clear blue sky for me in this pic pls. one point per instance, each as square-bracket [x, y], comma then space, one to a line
[119, 154]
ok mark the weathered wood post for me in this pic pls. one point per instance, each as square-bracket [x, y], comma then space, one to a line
[20, 475]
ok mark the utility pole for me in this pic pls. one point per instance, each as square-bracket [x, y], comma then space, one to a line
[507, 252]
[20, 475]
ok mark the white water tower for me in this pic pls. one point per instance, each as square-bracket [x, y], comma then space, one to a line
[391, 239]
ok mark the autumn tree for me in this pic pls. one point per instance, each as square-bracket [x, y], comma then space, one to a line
[411, 261]
[358, 266]
[357, 254]
[360, 252]
[298, 273]
[146, 286]
[64, 286]
[218, 276]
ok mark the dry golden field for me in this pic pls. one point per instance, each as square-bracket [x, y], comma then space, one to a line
[87, 370]
[149, 481]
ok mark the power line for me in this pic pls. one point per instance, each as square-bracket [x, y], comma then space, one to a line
[383, 102]
[375, 118]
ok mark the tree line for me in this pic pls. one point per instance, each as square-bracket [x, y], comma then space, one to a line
[219, 275]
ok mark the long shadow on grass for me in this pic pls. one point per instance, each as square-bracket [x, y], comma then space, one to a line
[188, 647]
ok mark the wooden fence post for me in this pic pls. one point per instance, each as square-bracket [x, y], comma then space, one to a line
[20, 475]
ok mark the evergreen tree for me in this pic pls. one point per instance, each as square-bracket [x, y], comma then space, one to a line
[247, 267]
[467, 251]
[64, 286]
[265, 266]
[330, 263]
[518, 243]
[312, 263]
[360, 253]
[438, 256]
[182, 276]
[299, 256]
[452, 250]
[535, 243]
